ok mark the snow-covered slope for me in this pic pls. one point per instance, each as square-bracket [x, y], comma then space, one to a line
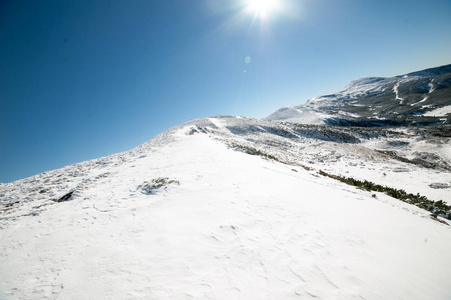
[418, 98]
[190, 214]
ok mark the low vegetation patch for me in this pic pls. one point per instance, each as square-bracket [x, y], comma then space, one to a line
[425, 160]
[324, 133]
[253, 151]
[150, 187]
[7, 207]
[437, 208]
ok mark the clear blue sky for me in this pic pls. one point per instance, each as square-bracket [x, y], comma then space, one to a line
[83, 79]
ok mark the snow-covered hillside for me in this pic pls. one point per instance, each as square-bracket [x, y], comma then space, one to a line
[418, 98]
[192, 215]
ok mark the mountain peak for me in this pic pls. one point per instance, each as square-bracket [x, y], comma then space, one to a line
[431, 71]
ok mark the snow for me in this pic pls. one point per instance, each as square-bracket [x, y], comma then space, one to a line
[358, 88]
[421, 101]
[395, 90]
[431, 86]
[236, 227]
[301, 116]
[347, 114]
[439, 112]
[365, 86]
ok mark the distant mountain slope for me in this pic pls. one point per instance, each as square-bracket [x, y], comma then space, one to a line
[418, 98]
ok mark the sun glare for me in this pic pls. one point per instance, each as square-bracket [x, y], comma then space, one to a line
[261, 8]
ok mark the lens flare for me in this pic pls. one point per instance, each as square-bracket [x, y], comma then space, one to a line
[262, 8]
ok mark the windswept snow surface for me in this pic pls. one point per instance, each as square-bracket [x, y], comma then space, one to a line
[298, 115]
[236, 226]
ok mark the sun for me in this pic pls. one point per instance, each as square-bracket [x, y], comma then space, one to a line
[261, 8]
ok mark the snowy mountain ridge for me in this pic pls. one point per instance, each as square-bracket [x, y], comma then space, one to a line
[237, 208]
[417, 98]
